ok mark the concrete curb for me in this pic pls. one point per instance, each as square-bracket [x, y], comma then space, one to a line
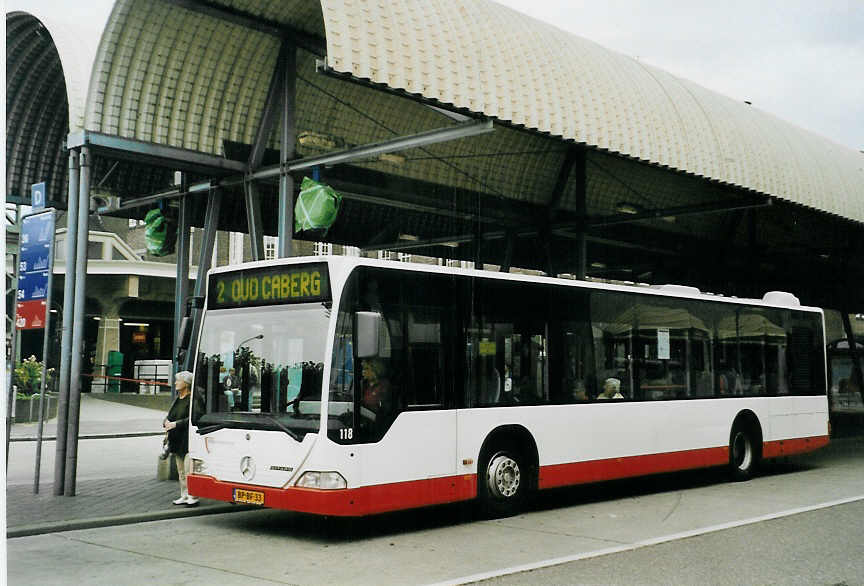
[49, 438]
[96, 522]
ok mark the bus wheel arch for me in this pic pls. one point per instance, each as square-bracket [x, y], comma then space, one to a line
[507, 470]
[745, 446]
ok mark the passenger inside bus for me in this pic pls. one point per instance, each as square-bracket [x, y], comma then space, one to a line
[377, 394]
[728, 381]
[611, 390]
[578, 393]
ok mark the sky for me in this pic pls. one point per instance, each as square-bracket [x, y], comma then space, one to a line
[802, 61]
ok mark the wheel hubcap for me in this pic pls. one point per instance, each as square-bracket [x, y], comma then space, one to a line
[503, 476]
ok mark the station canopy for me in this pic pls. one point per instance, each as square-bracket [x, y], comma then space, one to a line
[666, 180]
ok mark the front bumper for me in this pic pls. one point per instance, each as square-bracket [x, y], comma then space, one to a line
[350, 502]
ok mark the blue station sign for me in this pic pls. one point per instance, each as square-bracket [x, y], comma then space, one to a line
[34, 269]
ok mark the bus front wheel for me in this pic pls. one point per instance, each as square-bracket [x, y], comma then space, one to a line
[743, 453]
[503, 482]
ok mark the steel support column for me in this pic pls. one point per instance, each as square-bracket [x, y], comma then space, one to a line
[253, 219]
[856, 375]
[68, 308]
[478, 243]
[286, 152]
[579, 177]
[15, 341]
[77, 349]
[181, 282]
[544, 243]
[271, 109]
[259, 146]
[10, 392]
[545, 228]
[211, 222]
[46, 341]
[844, 289]
[508, 251]
[753, 255]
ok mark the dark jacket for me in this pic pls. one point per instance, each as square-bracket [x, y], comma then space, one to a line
[178, 438]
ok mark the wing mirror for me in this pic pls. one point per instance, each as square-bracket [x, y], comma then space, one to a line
[367, 325]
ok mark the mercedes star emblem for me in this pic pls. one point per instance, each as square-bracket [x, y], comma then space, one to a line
[247, 467]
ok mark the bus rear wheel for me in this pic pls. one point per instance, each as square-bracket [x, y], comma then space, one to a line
[503, 482]
[743, 453]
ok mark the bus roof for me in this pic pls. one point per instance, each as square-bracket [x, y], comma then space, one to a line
[779, 299]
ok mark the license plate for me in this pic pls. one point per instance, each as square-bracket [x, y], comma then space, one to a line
[249, 497]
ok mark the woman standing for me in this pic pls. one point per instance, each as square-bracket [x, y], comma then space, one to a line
[177, 426]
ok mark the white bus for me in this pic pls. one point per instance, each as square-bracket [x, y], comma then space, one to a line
[350, 386]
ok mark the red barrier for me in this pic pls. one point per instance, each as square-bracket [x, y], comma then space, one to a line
[131, 380]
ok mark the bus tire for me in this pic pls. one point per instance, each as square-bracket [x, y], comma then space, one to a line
[503, 478]
[744, 452]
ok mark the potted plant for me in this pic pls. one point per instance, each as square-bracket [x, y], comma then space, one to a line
[27, 378]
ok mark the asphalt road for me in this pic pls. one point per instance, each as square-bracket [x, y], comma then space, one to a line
[817, 547]
[800, 523]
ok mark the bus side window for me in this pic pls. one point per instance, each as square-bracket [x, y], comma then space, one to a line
[426, 309]
[575, 354]
[568, 364]
[612, 326]
[506, 347]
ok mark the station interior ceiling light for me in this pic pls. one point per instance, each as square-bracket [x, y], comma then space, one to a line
[626, 207]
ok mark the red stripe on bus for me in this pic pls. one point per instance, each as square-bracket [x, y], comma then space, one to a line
[800, 445]
[613, 468]
[353, 502]
[631, 466]
[369, 500]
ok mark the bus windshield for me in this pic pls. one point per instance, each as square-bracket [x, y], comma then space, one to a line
[262, 368]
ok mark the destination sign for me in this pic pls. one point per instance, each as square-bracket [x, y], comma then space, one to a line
[269, 286]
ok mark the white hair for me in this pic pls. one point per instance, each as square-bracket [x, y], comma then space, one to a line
[616, 383]
[185, 376]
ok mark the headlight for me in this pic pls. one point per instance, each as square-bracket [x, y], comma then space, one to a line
[198, 466]
[323, 480]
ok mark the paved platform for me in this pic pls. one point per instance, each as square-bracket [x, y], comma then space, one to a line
[116, 474]
[99, 503]
[98, 418]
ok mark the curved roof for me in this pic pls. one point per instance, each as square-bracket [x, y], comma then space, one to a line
[35, 127]
[169, 75]
[74, 43]
[48, 62]
[489, 59]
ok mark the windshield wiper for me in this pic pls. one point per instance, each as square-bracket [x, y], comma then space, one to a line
[256, 337]
[211, 428]
[282, 426]
[247, 421]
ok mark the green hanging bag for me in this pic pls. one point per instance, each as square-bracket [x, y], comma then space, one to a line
[160, 233]
[317, 206]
